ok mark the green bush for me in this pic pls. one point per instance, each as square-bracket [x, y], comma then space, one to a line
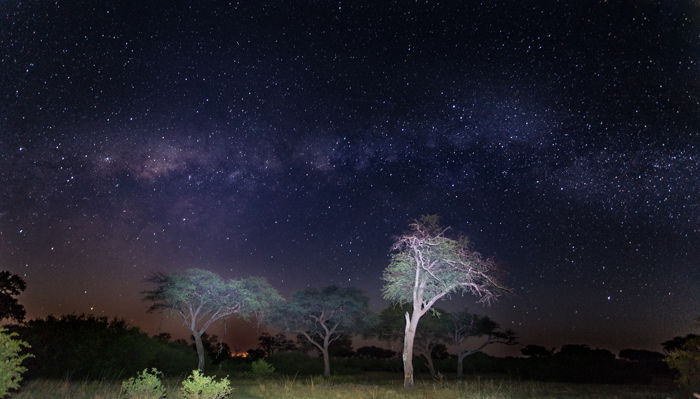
[199, 386]
[687, 361]
[261, 368]
[146, 385]
[11, 359]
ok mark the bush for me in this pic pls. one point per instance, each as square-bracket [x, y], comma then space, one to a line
[687, 361]
[199, 386]
[11, 358]
[146, 385]
[261, 368]
[89, 347]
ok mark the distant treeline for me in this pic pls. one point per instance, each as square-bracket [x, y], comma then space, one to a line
[81, 347]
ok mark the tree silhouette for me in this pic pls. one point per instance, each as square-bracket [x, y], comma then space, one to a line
[465, 325]
[536, 351]
[271, 344]
[11, 285]
[201, 297]
[427, 266]
[323, 316]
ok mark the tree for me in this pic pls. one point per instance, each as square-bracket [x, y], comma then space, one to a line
[263, 300]
[201, 298]
[427, 266]
[677, 343]
[11, 285]
[323, 316]
[641, 355]
[215, 348]
[432, 332]
[11, 358]
[271, 344]
[536, 351]
[686, 360]
[465, 325]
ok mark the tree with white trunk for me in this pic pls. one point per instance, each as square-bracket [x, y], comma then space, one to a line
[427, 266]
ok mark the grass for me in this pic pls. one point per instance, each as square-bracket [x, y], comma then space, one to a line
[317, 388]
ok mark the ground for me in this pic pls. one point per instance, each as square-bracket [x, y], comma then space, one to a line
[317, 388]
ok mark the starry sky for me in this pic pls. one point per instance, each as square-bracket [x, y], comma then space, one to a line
[293, 139]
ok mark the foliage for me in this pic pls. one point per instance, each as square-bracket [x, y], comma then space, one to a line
[11, 285]
[146, 385]
[271, 344]
[436, 266]
[199, 386]
[536, 351]
[260, 298]
[641, 355]
[677, 342]
[687, 361]
[261, 368]
[94, 347]
[327, 311]
[201, 297]
[323, 316]
[427, 266]
[216, 349]
[11, 358]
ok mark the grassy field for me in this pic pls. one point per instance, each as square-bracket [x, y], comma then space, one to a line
[316, 388]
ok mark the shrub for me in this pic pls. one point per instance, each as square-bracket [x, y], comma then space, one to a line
[146, 385]
[11, 358]
[89, 347]
[261, 368]
[687, 361]
[296, 363]
[199, 386]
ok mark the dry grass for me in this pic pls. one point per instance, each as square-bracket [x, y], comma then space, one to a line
[315, 388]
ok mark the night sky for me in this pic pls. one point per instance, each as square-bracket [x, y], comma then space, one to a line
[294, 139]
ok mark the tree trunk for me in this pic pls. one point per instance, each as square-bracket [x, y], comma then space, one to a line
[409, 336]
[326, 359]
[460, 364]
[200, 350]
[431, 366]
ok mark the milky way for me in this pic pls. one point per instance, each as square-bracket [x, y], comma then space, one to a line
[294, 139]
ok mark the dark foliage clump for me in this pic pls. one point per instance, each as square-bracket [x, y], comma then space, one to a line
[89, 347]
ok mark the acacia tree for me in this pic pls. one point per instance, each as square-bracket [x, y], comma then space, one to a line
[434, 330]
[11, 285]
[201, 298]
[323, 316]
[427, 266]
[465, 325]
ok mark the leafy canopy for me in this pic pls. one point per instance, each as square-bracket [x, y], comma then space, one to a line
[11, 285]
[201, 297]
[317, 311]
[426, 265]
[11, 357]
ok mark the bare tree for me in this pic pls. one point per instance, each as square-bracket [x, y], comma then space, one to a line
[427, 266]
